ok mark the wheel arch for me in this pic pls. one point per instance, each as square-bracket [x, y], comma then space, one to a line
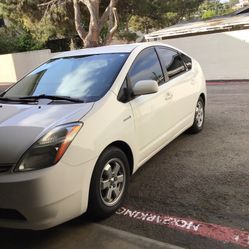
[126, 149]
[203, 98]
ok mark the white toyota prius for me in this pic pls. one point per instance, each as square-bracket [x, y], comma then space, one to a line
[74, 130]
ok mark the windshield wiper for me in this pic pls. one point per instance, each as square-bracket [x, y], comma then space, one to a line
[15, 100]
[52, 97]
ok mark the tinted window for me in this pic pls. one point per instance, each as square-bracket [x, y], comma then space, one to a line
[123, 95]
[172, 62]
[187, 61]
[146, 67]
[87, 77]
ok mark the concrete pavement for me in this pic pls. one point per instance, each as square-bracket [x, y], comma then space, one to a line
[202, 177]
[82, 235]
[107, 238]
[92, 236]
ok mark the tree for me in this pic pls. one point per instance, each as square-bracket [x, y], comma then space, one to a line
[146, 15]
[101, 25]
[94, 21]
[25, 17]
[209, 9]
[233, 2]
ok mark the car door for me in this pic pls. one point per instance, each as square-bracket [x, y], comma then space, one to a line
[182, 85]
[152, 112]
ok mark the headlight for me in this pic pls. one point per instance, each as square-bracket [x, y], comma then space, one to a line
[49, 149]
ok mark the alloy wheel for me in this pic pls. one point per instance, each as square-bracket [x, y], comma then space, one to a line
[112, 182]
[199, 114]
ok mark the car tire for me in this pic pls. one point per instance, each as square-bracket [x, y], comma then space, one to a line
[109, 183]
[199, 117]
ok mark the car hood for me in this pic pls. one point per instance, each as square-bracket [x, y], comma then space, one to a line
[22, 125]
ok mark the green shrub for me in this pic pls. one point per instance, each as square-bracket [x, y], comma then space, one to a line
[8, 43]
[13, 42]
[25, 42]
[127, 36]
[208, 14]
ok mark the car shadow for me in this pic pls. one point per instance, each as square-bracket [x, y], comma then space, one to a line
[62, 236]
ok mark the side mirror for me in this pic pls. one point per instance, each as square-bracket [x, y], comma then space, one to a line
[143, 87]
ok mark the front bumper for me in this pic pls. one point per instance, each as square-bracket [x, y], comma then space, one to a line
[45, 198]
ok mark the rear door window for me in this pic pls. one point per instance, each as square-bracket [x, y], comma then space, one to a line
[172, 62]
[187, 60]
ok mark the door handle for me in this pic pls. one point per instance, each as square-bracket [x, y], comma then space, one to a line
[168, 96]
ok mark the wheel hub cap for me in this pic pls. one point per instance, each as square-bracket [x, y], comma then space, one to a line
[199, 114]
[112, 182]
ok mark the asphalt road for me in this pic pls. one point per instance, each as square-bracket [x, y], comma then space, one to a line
[204, 177]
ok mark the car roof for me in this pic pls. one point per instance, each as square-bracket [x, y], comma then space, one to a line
[124, 48]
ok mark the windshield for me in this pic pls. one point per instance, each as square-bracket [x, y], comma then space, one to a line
[86, 77]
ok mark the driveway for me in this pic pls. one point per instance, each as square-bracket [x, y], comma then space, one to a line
[193, 194]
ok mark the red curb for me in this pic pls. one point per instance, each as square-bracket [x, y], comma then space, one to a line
[224, 82]
[216, 83]
[187, 225]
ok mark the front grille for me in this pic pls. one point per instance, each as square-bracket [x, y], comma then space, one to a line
[11, 214]
[5, 168]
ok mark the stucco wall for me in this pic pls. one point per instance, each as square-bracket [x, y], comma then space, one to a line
[7, 69]
[222, 55]
[25, 62]
[15, 66]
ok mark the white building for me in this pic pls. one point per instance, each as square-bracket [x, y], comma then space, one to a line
[221, 45]
[242, 3]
